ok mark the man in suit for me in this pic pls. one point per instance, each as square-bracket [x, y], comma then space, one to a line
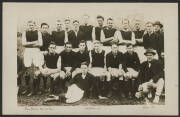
[75, 35]
[151, 77]
[158, 30]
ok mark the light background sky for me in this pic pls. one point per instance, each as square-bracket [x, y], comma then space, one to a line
[50, 12]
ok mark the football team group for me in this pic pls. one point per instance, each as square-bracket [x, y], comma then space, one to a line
[80, 60]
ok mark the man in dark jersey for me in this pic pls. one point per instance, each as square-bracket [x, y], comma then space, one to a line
[158, 30]
[32, 41]
[67, 23]
[79, 87]
[46, 38]
[114, 63]
[81, 56]
[98, 68]
[68, 60]
[52, 70]
[107, 34]
[125, 35]
[96, 34]
[138, 32]
[131, 68]
[75, 35]
[86, 28]
[59, 37]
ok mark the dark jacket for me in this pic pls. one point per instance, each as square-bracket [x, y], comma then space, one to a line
[85, 84]
[114, 61]
[131, 61]
[82, 57]
[67, 59]
[150, 41]
[46, 38]
[153, 72]
[73, 39]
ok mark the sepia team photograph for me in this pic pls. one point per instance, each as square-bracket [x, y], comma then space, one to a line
[83, 54]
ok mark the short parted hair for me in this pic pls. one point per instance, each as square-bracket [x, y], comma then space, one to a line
[84, 63]
[125, 19]
[97, 42]
[52, 43]
[31, 21]
[75, 21]
[58, 20]
[110, 19]
[42, 24]
[82, 41]
[67, 20]
[100, 17]
[129, 44]
[67, 43]
[149, 23]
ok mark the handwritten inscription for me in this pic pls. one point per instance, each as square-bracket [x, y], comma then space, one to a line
[38, 108]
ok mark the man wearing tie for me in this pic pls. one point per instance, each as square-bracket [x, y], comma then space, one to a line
[75, 35]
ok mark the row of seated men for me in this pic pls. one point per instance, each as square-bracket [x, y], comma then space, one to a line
[112, 73]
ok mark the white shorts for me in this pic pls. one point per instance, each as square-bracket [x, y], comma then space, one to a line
[33, 56]
[59, 49]
[107, 49]
[89, 45]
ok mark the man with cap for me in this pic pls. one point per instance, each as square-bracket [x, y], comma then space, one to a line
[150, 77]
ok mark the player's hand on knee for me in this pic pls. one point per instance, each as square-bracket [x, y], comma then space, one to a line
[140, 88]
[37, 73]
[149, 84]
